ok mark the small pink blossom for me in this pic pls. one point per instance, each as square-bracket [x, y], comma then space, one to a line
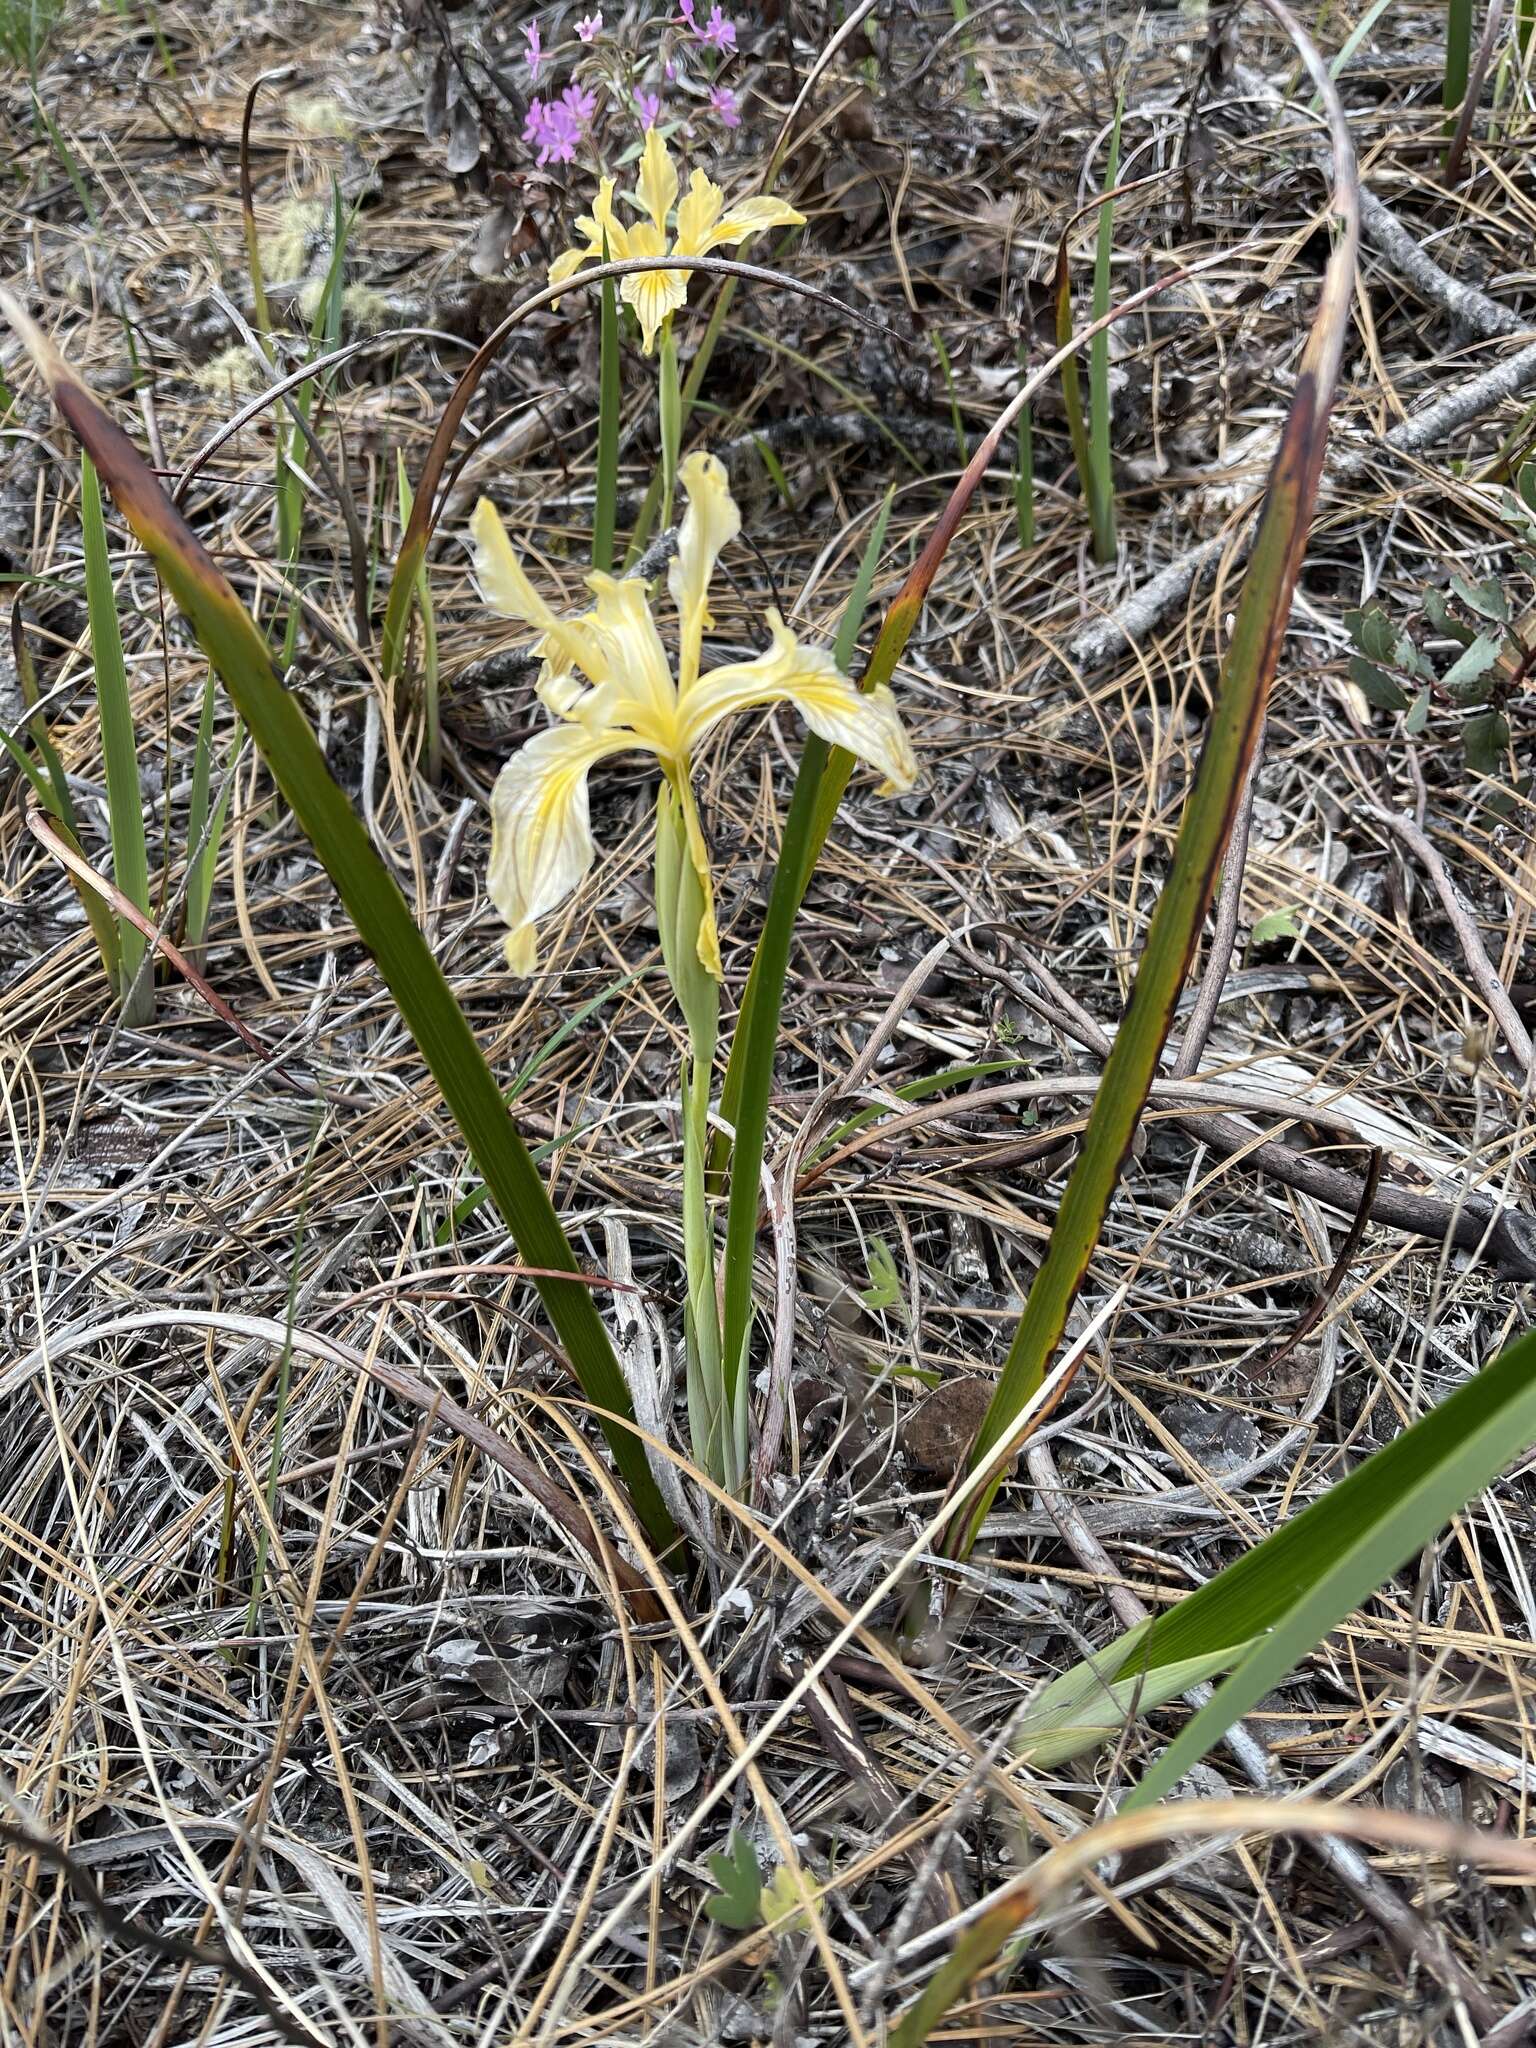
[535, 51]
[589, 26]
[579, 104]
[719, 31]
[648, 105]
[685, 15]
[553, 129]
[724, 104]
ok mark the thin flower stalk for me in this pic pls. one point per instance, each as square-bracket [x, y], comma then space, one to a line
[611, 688]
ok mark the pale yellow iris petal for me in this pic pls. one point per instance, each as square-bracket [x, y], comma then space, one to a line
[653, 293]
[657, 184]
[697, 214]
[565, 643]
[710, 524]
[541, 829]
[566, 265]
[601, 226]
[867, 725]
[746, 217]
[642, 693]
[502, 579]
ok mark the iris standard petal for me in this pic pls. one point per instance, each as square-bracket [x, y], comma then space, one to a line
[541, 829]
[564, 643]
[697, 214]
[748, 217]
[656, 187]
[710, 524]
[642, 692]
[866, 724]
[601, 226]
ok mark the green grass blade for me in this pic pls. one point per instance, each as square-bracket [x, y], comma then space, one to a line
[370, 895]
[1100, 481]
[61, 804]
[205, 833]
[431, 700]
[1071, 378]
[609, 404]
[62, 151]
[125, 805]
[98, 916]
[1458, 55]
[1024, 480]
[814, 760]
[253, 262]
[776, 475]
[962, 445]
[1174, 929]
[749, 1074]
[51, 786]
[1267, 1611]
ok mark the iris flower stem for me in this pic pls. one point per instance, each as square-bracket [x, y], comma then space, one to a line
[716, 1420]
[670, 407]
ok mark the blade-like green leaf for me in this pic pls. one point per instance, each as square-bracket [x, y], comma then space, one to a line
[125, 803]
[1099, 483]
[609, 402]
[371, 897]
[430, 694]
[51, 787]
[1289, 1591]
[1071, 376]
[1174, 929]
[813, 764]
[1090, 1704]
[205, 832]
[749, 1075]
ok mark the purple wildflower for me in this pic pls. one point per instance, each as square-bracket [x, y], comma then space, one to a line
[589, 26]
[719, 31]
[579, 104]
[724, 104]
[553, 129]
[535, 52]
[648, 105]
[685, 14]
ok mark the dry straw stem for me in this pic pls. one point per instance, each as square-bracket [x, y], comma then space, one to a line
[1470, 310]
[435, 1405]
[1205, 1820]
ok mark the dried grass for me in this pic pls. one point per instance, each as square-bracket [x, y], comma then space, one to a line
[450, 1791]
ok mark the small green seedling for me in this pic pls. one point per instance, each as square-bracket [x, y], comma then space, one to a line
[738, 1902]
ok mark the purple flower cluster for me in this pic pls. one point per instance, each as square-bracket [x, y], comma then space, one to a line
[555, 126]
[718, 30]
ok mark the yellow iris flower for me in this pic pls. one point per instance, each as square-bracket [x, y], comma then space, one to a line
[609, 683]
[702, 225]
